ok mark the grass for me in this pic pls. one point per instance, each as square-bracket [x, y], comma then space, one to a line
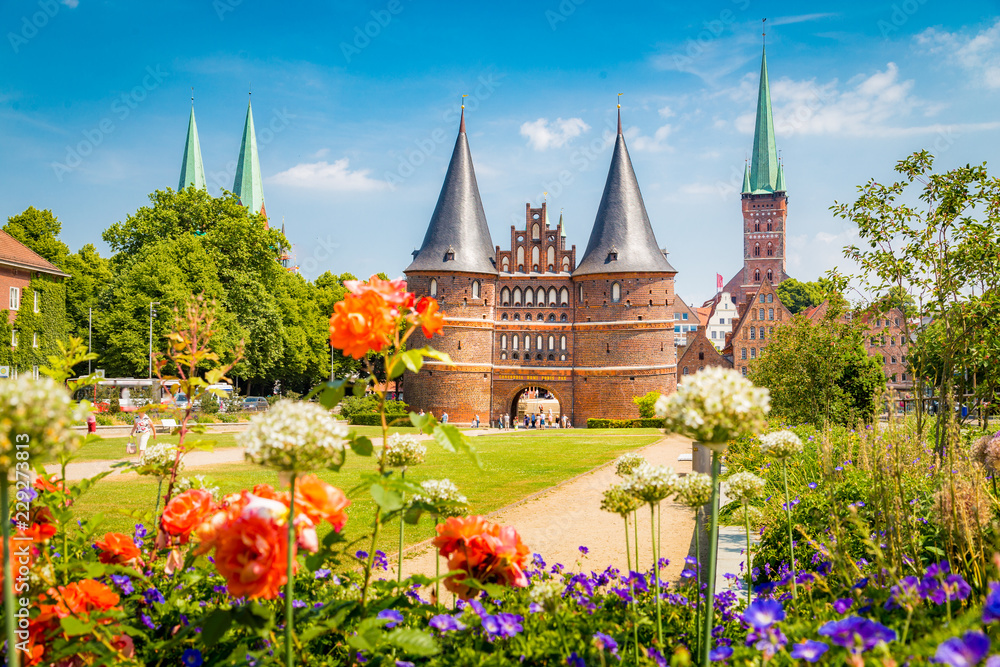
[113, 449]
[513, 466]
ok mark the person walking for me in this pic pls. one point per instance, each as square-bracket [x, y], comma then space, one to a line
[91, 423]
[142, 429]
[475, 423]
[444, 418]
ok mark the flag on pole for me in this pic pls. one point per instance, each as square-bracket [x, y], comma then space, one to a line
[718, 281]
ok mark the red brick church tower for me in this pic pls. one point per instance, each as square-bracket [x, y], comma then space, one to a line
[527, 317]
[764, 204]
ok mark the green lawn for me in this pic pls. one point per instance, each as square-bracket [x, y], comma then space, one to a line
[113, 449]
[514, 466]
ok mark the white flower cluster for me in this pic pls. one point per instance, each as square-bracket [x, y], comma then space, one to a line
[650, 483]
[197, 482]
[745, 486]
[619, 501]
[715, 405]
[443, 494]
[694, 490]
[745, 514]
[547, 593]
[781, 444]
[36, 418]
[403, 450]
[158, 460]
[294, 436]
[626, 463]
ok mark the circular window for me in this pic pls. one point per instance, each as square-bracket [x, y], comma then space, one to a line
[534, 216]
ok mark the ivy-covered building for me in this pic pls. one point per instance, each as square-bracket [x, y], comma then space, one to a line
[34, 295]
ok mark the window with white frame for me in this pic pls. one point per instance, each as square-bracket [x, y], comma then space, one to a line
[38, 303]
[34, 339]
[15, 298]
[13, 338]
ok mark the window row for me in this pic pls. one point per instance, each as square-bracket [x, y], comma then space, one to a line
[536, 261]
[15, 338]
[755, 332]
[756, 226]
[756, 277]
[753, 353]
[764, 314]
[477, 288]
[769, 249]
[527, 356]
[540, 317]
[530, 297]
[515, 341]
[15, 299]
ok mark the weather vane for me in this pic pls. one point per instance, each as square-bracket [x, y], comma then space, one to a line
[463, 100]
[620, 100]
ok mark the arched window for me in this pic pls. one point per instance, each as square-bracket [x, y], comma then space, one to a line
[616, 292]
[503, 356]
[517, 317]
[520, 258]
[550, 256]
[762, 333]
[769, 225]
[770, 276]
[529, 297]
[756, 225]
[552, 357]
[685, 370]
[534, 231]
[434, 286]
[535, 254]
[505, 296]
[517, 296]
[505, 265]
[527, 317]
[770, 313]
[770, 250]
[753, 333]
[562, 357]
[580, 291]
[475, 289]
[527, 342]
[753, 353]
[514, 342]
[565, 264]
[504, 317]
[756, 250]
[552, 342]
[743, 353]
[564, 297]
[514, 356]
[503, 342]
[761, 314]
[553, 297]
[770, 298]
[756, 275]
[562, 318]
[552, 317]
[538, 357]
[539, 342]
[562, 342]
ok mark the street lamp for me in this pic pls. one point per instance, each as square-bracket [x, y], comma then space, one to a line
[90, 335]
[152, 314]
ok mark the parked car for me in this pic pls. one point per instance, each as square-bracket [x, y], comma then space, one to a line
[255, 404]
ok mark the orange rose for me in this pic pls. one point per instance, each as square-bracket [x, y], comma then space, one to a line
[431, 321]
[251, 555]
[185, 512]
[393, 291]
[321, 501]
[458, 530]
[362, 323]
[482, 550]
[39, 532]
[267, 491]
[119, 549]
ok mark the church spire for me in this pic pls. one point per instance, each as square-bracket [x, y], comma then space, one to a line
[249, 186]
[562, 225]
[458, 237]
[192, 168]
[764, 161]
[622, 239]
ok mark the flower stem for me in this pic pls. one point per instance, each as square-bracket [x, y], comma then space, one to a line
[562, 635]
[290, 584]
[159, 491]
[13, 658]
[746, 519]
[628, 549]
[788, 513]
[635, 529]
[65, 529]
[399, 566]
[437, 570]
[697, 584]
[906, 626]
[656, 576]
[713, 554]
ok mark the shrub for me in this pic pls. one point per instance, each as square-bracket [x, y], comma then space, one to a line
[204, 419]
[228, 418]
[104, 420]
[374, 419]
[114, 406]
[369, 403]
[647, 404]
[210, 404]
[654, 422]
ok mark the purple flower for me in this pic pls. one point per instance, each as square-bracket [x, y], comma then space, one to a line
[583, 550]
[657, 657]
[140, 532]
[446, 623]
[857, 634]
[575, 661]
[605, 643]
[404, 663]
[298, 604]
[812, 485]
[361, 555]
[842, 605]
[477, 607]
[152, 595]
[147, 621]
[965, 651]
[769, 641]
[904, 594]
[381, 561]
[956, 587]
[322, 573]
[720, 653]
[491, 624]
[507, 625]
[534, 608]
[192, 658]
[763, 613]
[991, 609]
[809, 650]
[393, 617]
[123, 583]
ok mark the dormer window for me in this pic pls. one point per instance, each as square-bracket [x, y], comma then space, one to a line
[450, 254]
[613, 254]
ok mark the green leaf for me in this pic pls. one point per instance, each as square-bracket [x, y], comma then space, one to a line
[413, 360]
[215, 626]
[73, 626]
[414, 642]
[361, 445]
[431, 353]
[453, 440]
[390, 501]
[425, 423]
[412, 515]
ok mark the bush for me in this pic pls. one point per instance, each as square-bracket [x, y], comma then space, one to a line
[104, 420]
[228, 418]
[647, 404]
[114, 406]
[655, 422]
[210, 404]
[368, 403]
[373, 419]
[204, 419]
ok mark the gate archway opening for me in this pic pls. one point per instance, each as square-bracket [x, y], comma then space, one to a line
[536, 406]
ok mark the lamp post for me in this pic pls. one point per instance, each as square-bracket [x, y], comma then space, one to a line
[152, 314]
[90, 335]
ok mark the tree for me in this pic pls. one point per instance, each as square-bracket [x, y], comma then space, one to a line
[90, 274]
[820, 373]
[39, 230]
[647, 404]
[797, 295]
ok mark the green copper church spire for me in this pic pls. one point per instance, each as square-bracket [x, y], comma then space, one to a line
[192, 168]
[249, 186]
[746, 179]
[764, 161]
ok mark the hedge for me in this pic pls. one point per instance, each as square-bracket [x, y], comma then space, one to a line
[625, 423]
[374, 419]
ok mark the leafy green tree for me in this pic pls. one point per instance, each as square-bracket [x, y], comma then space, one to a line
[90, 274]
[799, 295]
[647, 404]
[39, 230]
[820, 373]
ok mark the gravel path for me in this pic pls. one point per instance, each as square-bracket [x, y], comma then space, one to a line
[557, 521]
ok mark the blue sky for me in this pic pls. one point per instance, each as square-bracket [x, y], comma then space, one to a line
[356, 129]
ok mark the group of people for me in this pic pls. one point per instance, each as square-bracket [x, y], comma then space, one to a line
[533, 420]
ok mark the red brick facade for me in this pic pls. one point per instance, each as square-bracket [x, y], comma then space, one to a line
[759, 315]
[885, 338]
[699, 354]
[594, 341]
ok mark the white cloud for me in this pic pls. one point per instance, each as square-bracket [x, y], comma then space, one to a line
[321, 153]
[825, 237]
[322, 175]
[542, 135]
[700, 189]
[666, 112]
[656, 143]
[801, 18]
[72, 4]
[979, 53]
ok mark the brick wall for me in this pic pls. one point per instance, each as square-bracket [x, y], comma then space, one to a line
[12, 277]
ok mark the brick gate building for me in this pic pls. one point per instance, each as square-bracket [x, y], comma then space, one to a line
[595, 334]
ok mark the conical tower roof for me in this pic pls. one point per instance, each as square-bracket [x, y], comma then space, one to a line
[458, 237]
[764, 161]
[249, 185]
[192, 168]
[622, 239]
[746, 180]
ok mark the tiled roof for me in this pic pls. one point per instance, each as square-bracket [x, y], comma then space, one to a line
[15, 253]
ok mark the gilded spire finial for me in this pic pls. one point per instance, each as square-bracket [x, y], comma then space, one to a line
[763, 30]
[192, 95]
[461, 127]
[620, 112]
